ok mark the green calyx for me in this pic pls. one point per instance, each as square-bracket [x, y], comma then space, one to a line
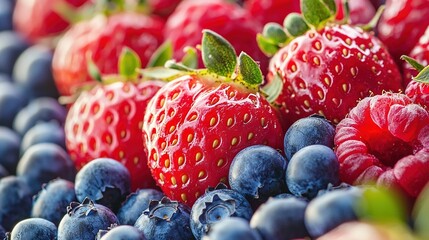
[423, 76]
[315, 14]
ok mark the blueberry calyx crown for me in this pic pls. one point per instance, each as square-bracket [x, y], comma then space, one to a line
[215, 210]
[219, 186]
[164, 209]
[87, 204]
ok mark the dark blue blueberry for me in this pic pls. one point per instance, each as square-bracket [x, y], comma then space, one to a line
[2, 233]
[332, 187]
[165, 220]
[215, 205]
[44, 162]
[136, 203]
[15, 201]
[5, 78]
[123, 232]
[52, 201]
[3, 173]
[9, 149]
[6, 13]
[289, 195]
[308, 131]
[311, 169]
[33, 71]
[44, 132]
[84, 220]
[330, 210]
[34, 229]
[11, 46]
[42, 109]
[257, 172]
[280, 219]
[232, 228]
[12, 100]
[104, 180]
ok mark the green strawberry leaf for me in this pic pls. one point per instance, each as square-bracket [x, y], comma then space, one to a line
[274, 32]
[160, 73]
[267, 46]
[413, 62]
[381, 205]
[218, 54]
[316, 12]
[93, 70]
[421, 214]
[273, 89]
[249, 70]
[295, 24]
[190, 59]
[161, 55]
[129, 62]
[423, 76]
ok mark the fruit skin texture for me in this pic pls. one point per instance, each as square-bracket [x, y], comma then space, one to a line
[403, 18]
[419, 93]
[106, 121]
[34, 228]
[328, 71]
[420, 53]
[184, 27]
[232, 228]
[123, 232]
[193, 128]
[103, 38]
[45, 22]
[401, 160]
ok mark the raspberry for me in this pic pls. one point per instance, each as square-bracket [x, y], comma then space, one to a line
[384, 139]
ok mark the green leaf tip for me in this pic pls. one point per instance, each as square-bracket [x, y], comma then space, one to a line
[273, 89]
[161, 55]
[317, 12]
[93, 70]
[268, 47]
[423, 76]
[218, 54]
[249, 70]
[275, 33]
[295, 24]
[413, 62]
[129, 63]
[190, 59]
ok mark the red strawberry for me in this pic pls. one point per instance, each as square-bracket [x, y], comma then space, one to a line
[197, 123]
[186, 23]
[326, 71]
[102, 39]
[402, 24]
[163, 8]
[106, 122]
[420, 53]
[385, 138]
[265, 11]
[418, 88]
[36, 20]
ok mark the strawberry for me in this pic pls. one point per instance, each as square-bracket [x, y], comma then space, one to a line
[385, 139]
[403, 18]
[328, 68]
[197, 123]
[186, 23]
[420, 53]
[265, 11]
[102, 39]
[163, 8]
[45, 20]
[106, 122]
[418, 88]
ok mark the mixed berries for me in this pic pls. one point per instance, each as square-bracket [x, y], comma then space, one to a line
[214, 120]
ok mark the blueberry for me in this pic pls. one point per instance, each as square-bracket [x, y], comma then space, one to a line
[6, 13]
[2, 233]
[11, 46]
[15, 201]
[12, 100]
[34, 229]
[280, 219]
[4, 77]
[104, 180]
[44, 162]
[308, 131]
[42, 109]
[52, 201]
[232, 228]
[123, 232]
[257, 172]
[136, 203]
[331, 188]
[33, 71]
[84, 220]
[44, 132]
[165, 220]
[9, 149]
[331, 209]
[215, 205]
[311, 169]
[3, 173]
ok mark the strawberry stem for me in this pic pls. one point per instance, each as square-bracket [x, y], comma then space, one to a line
[374, 21]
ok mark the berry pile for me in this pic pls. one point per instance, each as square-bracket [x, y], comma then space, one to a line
[214, 120]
